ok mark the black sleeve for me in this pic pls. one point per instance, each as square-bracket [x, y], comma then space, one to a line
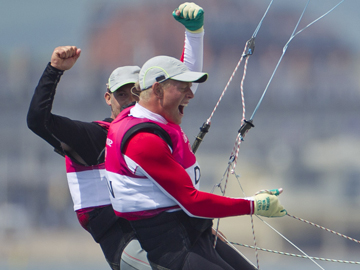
[86, 139]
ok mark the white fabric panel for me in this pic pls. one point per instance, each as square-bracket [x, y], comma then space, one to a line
[87, 190]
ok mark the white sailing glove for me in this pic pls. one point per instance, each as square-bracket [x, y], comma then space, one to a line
[267, 204]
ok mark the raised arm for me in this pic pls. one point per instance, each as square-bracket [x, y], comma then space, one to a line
[192, 17]
[61, 132]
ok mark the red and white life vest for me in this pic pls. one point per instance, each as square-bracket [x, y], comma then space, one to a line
[132, 189]
[87, 184]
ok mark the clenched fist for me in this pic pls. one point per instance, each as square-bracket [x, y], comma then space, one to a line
[64, 57]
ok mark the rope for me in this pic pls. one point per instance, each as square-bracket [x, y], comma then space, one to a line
[223, 193]
[325, 229]
[254, 239]
[248, 50]
[225, 89]
[291, 243]
[239, 138]
[295, 255]
[226, 177]
[242, 88]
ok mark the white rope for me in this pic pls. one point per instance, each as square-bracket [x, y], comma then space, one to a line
[310, 258]
[234, 155]
[296, 255]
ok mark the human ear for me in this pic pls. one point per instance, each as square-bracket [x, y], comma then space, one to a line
[158, 90]
[107, 97]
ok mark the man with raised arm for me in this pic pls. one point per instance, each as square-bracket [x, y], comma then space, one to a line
[154, 177]
[82, 143]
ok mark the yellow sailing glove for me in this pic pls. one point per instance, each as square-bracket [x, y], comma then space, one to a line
[267, 204]
[191, 16]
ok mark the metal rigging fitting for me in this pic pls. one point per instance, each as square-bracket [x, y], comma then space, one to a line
[245, 128]
[250, 44]
[203, 130]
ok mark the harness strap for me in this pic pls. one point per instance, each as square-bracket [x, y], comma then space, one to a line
[147, 127]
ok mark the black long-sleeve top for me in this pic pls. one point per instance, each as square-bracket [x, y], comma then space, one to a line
[87, 139]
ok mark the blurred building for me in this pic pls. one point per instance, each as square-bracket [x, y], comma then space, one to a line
[306, 136]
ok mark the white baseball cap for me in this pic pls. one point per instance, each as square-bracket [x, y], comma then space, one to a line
[161, 68]
[123, 75]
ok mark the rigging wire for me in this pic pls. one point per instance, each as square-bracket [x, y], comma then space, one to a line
[287, 240]
[239, 138]
[325, 229]
[306, 256]
[286, 46]
[296, 255]
[307, 222]
[248, 50]
[246, 125]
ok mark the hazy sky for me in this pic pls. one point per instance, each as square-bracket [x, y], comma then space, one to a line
[35, 24]
[39, 24]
